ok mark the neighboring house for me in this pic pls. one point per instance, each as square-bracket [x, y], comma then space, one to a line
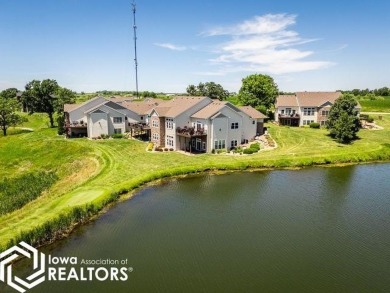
[304, 108]
[197, 124]
[97, 117]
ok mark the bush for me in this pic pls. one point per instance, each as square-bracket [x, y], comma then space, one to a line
[117, 135]
[159, 149]
[370, 119]
[104, 136]
[150, 147]
[165, 149]
[314, 125]
[364, 116]
[248, 151]
[255, 147]
[171, 149]
[213, 151]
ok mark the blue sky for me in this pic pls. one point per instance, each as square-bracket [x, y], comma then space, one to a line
[87, 45]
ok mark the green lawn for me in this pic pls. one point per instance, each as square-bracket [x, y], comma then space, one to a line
[91, 171]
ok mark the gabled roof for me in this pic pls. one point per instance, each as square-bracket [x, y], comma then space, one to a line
[308, 99]
[71, 107]
[114, 106]
[210, 110]
[316, 99]
[98, 111]
[252, 112]
[286, 101]
[178, 105]
[143, 107]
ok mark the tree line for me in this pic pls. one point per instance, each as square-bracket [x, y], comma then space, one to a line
[383, 91]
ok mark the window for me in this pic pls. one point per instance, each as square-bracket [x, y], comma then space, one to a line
[169, 123]
[155, 136]
[170, 140]
[288, 111]
[282, 112]
[155, 123]
[233, 143]
[118, 130]
[325, 113]
[117, 120]
[234, 125]
[142, 117]
[308, 111]
[253, 122]
[307, 122]
[219, 144]
[204, 146]
[323, 123]
[199, 125]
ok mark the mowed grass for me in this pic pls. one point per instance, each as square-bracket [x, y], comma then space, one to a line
[91, 171]
[379, 105]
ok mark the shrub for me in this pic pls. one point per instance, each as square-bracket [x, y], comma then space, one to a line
[117, 135]
[104, 136]
[171, 149]
[248, 151]
[364, 116]
[159, 149]
[370, 119]
[213, 151]
[150, 147]
[314, 125]
[165, 149]
[255, 147]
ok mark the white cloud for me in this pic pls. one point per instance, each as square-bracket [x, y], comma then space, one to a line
[264, 44]
[171, 46]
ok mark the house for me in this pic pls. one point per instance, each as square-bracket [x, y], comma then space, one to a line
[303, 108]
[186, 123]
[201, 124]
[97, 117]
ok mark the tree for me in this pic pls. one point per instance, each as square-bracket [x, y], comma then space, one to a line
[343, 121]
[258, 90]
[8, 115]
[209, 89]
[10, 93]
[48, 97]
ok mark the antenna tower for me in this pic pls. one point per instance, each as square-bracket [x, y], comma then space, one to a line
[135, 48]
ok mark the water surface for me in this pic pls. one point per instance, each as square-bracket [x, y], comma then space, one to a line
[312, 230]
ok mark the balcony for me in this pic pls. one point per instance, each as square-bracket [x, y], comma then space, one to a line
[289, 116]
[139, 126]
[190, 131]
[76, 124]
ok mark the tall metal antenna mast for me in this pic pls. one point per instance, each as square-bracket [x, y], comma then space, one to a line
[135, 49]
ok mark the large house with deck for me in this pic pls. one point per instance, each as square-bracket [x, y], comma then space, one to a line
[195, 124]
[304, 108]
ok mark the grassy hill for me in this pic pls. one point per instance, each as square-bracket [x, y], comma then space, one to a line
[95, 172]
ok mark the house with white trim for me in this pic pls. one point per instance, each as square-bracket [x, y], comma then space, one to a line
[195, 124]
[304, 108]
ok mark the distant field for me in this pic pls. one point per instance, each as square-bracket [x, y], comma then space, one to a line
[380, 105]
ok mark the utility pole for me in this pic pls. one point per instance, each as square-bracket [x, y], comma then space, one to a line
[135, 49]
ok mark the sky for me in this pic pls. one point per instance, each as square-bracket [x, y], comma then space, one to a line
[87, 45]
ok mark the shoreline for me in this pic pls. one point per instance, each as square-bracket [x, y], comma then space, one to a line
[63, 226]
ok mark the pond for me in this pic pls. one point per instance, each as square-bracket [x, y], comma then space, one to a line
[310, 230]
